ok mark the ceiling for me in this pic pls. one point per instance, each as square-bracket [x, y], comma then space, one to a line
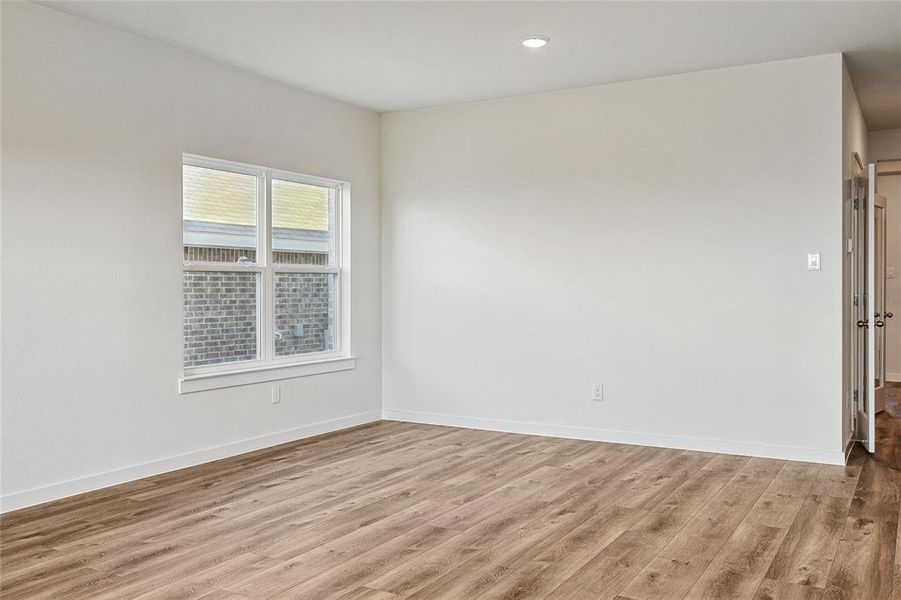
[399, 55]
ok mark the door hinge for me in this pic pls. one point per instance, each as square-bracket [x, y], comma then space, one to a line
[856, 303]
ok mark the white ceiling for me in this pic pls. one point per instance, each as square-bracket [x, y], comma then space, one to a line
[399, 55]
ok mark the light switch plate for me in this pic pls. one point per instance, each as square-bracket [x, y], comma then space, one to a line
[813, 261]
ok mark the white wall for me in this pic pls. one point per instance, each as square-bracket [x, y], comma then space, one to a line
[854, 139]
[94, 123]
[886, 144]
[651, 236]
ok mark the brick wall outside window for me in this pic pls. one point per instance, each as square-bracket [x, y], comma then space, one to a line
[220, 317]
[220, 309]
[304, 313]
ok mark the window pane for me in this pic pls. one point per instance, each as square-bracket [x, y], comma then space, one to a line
[219, 221]
[220, 317]
[302, 223]
[304, 313]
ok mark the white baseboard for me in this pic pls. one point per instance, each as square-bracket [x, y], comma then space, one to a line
[893, 377]
[25, 498]
[848, 448]
[815, 455]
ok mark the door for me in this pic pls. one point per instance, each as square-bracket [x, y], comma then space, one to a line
[877, 332]
[869, 300]
[864, 415]
[868, 280]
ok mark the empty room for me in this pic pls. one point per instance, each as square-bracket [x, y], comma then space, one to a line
[450, 300]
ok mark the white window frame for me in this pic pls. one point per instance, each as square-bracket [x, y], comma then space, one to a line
[269, 367]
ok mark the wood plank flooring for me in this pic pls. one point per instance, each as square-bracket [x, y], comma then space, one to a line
[398, 510]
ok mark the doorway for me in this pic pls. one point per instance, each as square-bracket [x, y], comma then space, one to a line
[888, 420]
[869, 310]
[877, 403]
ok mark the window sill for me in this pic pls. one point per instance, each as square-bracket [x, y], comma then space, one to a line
[214, 381]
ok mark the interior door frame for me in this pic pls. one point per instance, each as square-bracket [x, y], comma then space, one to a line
[852, 251]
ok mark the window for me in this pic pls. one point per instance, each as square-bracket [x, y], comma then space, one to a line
[264, 277]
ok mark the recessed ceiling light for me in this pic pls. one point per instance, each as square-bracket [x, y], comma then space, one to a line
[535, 41]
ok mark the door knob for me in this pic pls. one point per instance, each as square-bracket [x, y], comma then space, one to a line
[863, 323]
[879, 323]
[889, 315]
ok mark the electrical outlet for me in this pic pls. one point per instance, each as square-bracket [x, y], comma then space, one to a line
[597, 391]
[276, 394]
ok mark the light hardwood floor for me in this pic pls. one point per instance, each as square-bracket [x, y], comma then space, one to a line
[397, 510]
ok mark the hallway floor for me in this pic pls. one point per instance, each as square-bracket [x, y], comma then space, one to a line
[888, 429]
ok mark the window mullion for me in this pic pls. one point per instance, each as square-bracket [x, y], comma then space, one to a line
[334, 225]
[335, 207]
[266, 326]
